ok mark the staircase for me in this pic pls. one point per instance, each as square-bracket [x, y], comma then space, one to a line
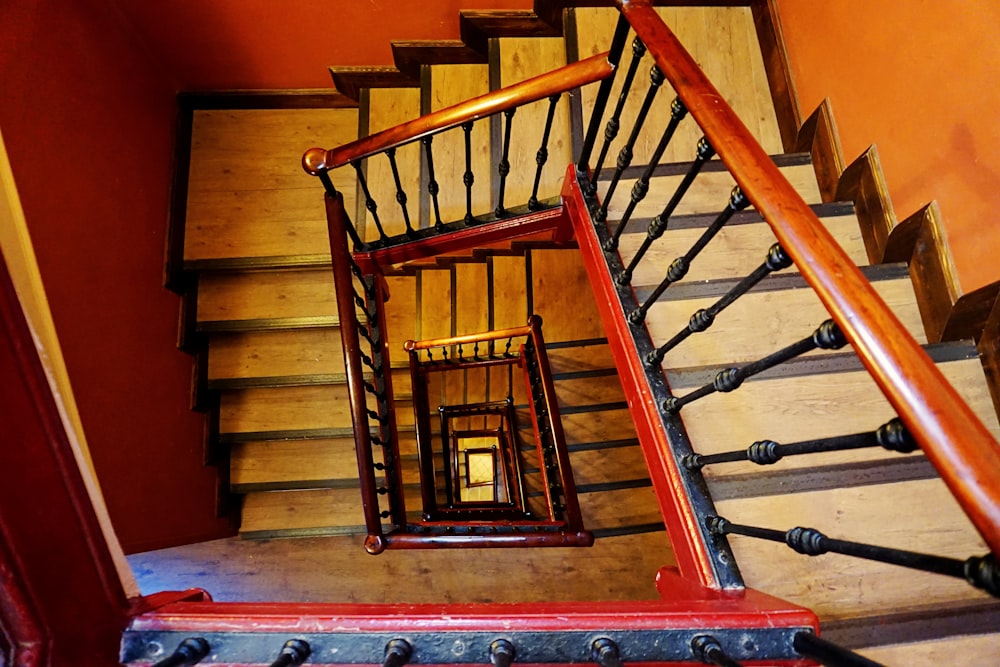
[256, 238]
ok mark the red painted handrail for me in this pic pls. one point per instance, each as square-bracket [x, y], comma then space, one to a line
[574, 75]
[952, 437]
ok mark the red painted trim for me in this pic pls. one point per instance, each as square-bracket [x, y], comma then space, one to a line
[693, 556]
[465, 239]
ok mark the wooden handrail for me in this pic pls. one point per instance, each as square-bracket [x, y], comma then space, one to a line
[574, 75]
[481, 337]
[954, 440]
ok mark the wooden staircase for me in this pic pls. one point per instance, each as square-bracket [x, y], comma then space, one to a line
[256, 238]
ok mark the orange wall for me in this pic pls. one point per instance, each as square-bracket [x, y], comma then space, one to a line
[215, 44]
[89, 125]
[919, 79]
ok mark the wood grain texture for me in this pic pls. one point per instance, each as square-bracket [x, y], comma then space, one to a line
[973, 649]
[266, 294]
[275, 354]
[818, 136]
[510, 308]
[864, 183]
[410, 56]
[435, 304]
[246, 197]
[989, 353]
[598, 426]
[297, 510]
[285, 461]
[601, 465]
[836, 586]
[578, 392]
[351, 80]
[562, 296]
[777, 67]
[619, 508]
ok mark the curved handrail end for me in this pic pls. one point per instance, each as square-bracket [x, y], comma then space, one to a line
[314, 161]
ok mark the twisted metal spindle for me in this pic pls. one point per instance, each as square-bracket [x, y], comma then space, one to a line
[625, 154]
[605, 653]
[191, 651]
[708, 649]
[370, 203]
[658, 225]
[504, 167]
[293, 653]
[400, 194]
[432, 184]
[397, 653]
[982, 572]
[614, 123]
[679, 267]
[543, 153]
[468, 178]
[827, 336]
[641, 187]
[703, 318]
[892, 436]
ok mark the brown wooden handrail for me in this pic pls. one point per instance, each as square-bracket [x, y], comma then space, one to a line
[481, 337]
[574, 75]
[954, 440]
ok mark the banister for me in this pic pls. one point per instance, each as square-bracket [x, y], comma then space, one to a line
[574, 75]
[481, 337]
[954, 440]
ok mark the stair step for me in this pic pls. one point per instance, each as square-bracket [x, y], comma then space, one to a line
[602, 465]
[471, 298]
[291, 461]
[874, 514]
[510, 301]
[268, 410]
[561, 295]
[578, 356]
[247, 193]
[267, 296]
[838, 399]
[777, 318]
[588, 391]
[434, 304]
[619, 508]
[598, 426]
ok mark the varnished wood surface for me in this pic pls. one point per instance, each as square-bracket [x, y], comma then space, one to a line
[989, 352]
[818, 136]
[562, 296]
[266, 295]
[863, 182]
[351, 80]
[960, 447]
[283, 461]
[973, 649]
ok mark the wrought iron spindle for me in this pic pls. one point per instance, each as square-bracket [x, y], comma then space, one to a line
[468, 178]
[641, 187]
[502, 653]
[397, 653]
[191, 651]
[332, 193]
[892, 436]
[400, 194]
[543, 153]
[605, 653]
[432, 184]
[625, 154]
[828, 653]
[614, 123]
[622, 29]
[982, 572]
[370, 203]
[708, 649]
[680, 266]
[703, 318]
[827, 336]
[293, 653]
[504, 167]
[658, 225]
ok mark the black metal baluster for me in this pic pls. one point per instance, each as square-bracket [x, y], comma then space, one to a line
[502, 653]
[432, 184]
[293, 653]
[708, 649]
[703, 318]
[892, 436]
[400, 195]
[191, 651]
[980, 571]
[370, 203]
[828, 653]
[641, 187]
[622, 29]
[614, 123]
[605, 653]
[331, 192]
[543, 153]
[679, 267]
[397, 653]
[625, 154]
[826, 337]
[504, 167]
[468, 177]
[658, 225]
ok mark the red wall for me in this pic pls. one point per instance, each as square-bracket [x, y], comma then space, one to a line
[920, 79]
[89, 124]
[215, 44]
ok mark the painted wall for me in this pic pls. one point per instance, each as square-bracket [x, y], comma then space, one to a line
[89, 122]
[215, 44]
[919, 79]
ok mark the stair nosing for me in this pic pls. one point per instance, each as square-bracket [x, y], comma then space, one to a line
[639, 225]
[796, 159]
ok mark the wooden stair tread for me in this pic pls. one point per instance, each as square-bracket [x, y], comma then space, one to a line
[273, 462]
[602, 465]
[619, 508]
[587, 391]
[267, 295]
